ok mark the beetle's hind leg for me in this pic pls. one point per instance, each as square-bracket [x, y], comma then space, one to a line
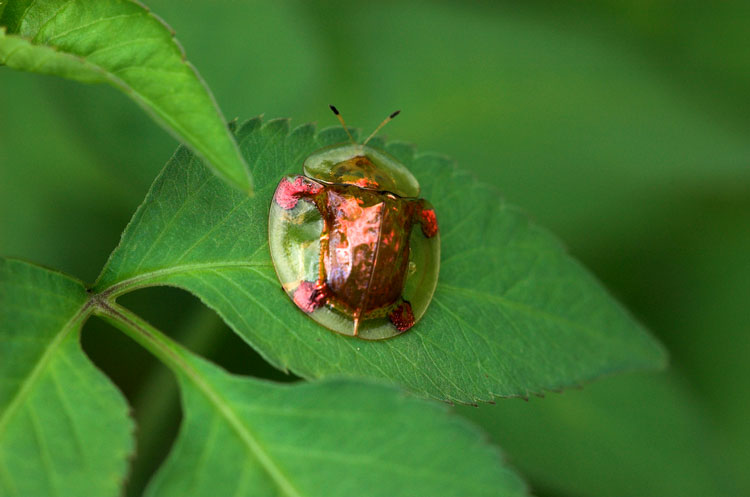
[402, 316]
[310, 296]
[293, 188]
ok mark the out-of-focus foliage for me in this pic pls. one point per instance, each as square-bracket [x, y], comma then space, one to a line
[121, 43]
[639, 434]
[620, 125]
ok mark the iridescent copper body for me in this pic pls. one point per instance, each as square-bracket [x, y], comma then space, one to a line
[345, 246]
[364, 252]
[364, 242]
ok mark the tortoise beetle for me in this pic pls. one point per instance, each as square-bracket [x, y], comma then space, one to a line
[342, 242]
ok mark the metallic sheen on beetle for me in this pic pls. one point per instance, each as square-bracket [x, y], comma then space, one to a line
[353, 245]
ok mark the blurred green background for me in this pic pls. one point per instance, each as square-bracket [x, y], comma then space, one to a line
[621, 125]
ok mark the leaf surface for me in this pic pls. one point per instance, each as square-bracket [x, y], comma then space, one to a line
[512, 314]
[64, 427]
[121, 43]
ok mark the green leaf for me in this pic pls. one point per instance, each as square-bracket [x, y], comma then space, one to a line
[121, 43]
[64, 428]
[242, 436]
[512, 314]
[639, 435]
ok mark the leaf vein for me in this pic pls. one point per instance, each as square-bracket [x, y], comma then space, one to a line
[92, 23]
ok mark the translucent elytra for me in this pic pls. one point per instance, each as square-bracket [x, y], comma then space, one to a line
[295, 239]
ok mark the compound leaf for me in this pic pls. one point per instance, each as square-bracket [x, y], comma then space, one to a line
[64, 427]
[243, 436]
[121, 43]
[513, 312]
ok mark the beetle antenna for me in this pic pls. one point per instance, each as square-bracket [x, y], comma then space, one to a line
[341, 120]
[385, 121]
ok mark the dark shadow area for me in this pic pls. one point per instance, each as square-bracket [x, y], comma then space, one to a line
[149, 387]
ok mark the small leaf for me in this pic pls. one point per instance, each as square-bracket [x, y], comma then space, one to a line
[243, 436]
[64, 428]
[631, 435]
[512, 314]
[121, 43]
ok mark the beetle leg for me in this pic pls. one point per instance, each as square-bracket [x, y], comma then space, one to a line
[357, 317]
[424, 214]
[310, 296]
[293, 188]
[402, 316]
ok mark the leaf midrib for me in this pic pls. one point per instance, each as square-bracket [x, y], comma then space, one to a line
[41, 365]
[144, 279]
[222, 406]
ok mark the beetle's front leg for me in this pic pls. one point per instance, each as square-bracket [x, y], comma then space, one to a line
[424, 214]
[293, 188]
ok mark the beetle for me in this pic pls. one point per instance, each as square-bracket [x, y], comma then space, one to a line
[352, 243]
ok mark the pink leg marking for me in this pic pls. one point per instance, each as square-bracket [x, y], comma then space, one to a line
[289, 192]
[309, 296]
[429, 222]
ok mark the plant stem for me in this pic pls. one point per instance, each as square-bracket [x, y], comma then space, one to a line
[156, 407]
[143, 333]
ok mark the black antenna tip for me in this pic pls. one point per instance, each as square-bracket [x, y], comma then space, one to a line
[394, 114]
[334, 109]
